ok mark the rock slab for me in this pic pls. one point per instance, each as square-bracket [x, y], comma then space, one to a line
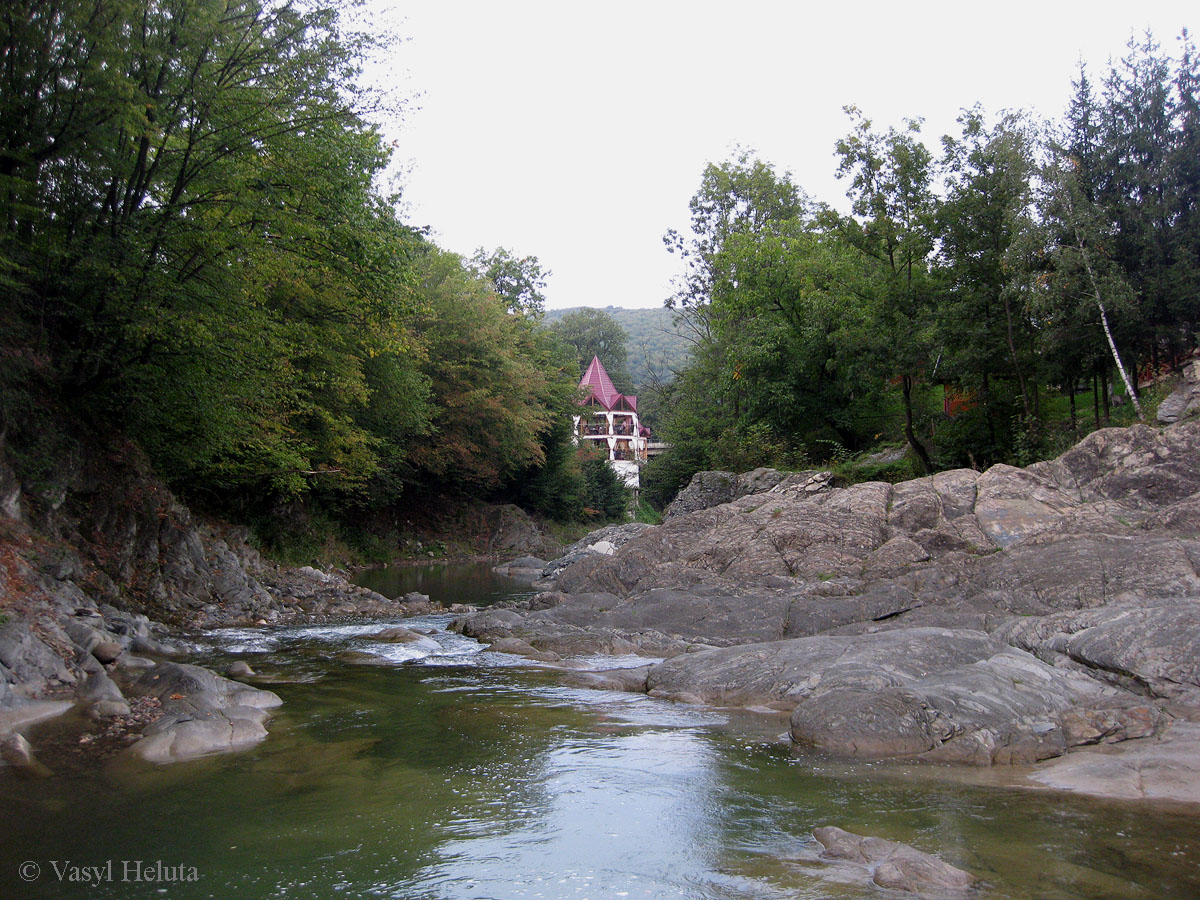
[891, 864]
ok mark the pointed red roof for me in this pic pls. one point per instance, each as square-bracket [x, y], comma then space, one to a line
[599, 385]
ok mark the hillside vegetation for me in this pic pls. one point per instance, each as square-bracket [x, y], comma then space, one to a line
[656, 346]
[986, 301]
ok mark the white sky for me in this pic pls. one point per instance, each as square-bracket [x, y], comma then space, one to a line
[577, 132]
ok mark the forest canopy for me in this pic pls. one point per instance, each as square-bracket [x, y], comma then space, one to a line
[968, 300]
[194, 248]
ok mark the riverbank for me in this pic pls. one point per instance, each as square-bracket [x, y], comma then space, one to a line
[1004, 617]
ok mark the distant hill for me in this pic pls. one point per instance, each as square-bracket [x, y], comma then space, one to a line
[656, 349]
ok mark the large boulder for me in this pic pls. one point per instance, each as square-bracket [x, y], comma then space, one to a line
[512, 531]
[1001, 616]
[1184, 401]
[1153, 650]
[892, 864]
[31, 665]
[958, 696]
[202, 713]
[1166, 767]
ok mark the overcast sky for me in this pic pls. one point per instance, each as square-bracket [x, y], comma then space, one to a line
[577, 132]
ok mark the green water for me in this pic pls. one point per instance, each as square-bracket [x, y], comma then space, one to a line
[467, 774]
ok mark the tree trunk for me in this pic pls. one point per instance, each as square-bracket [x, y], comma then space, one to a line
[1112, 345]
[1074, 419]
[909, 434]
[988, 411]
[1012, 354]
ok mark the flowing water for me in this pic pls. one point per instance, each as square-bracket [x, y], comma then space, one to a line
[466, 774]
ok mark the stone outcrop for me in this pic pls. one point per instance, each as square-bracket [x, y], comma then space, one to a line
[1184, 401]
[85, 557]
[948, 695]
[1002, 616]
[602, 542]
[1162, 768]
[202, 713]
[892, 864]
[513, 531]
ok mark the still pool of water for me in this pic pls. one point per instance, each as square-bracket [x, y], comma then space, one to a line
[460, 774]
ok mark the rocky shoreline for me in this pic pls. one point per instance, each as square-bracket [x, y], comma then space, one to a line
[103, 576]
[1048, 615]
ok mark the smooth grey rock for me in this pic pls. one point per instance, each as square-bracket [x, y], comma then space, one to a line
[1152, 649]
[518, 647]
[107, 651]
[106, 709]
[615, 535]
[522, 567]
[398, 634]
[33, 665]
[626, 680]
[1091, 562]
[203, 713]
[957, 696]
[891, 864]
[1154, 768]
[512, 531]
[706, 489]
[361, 658]
[1185, 399]
[240, 669]
[17, 752]
[153, 647]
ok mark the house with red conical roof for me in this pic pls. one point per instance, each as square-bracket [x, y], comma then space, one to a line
[609, 421]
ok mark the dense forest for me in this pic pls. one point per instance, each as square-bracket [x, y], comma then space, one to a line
[196, 250]
[987, 303]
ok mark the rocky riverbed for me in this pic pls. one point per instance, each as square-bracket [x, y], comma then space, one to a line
[1010, 616]
[85, 558]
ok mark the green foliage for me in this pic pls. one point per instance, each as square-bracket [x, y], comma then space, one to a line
[657, 348]
[1012, 272]
[647, 514]
[496, 384]
[518, 281]
[556, 488]
[195, 250]
[868, 467]
[594, 333]
[605, 496]
[191, 228]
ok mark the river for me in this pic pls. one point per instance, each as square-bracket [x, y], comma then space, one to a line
[467, 775]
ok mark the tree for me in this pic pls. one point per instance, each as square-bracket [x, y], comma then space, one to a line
[1083, 227]
[495, 390]
[191, 231]
[593, 332]
[1138, 190]
[984, 332]
[519, 281]
[892, 196]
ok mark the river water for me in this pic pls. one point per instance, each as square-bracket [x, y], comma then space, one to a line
[465, 775]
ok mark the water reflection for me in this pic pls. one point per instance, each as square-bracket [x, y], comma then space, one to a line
[447, 583]
[626, 815]
[468, 774]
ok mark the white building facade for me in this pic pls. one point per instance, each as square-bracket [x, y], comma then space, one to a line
[609, 421]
